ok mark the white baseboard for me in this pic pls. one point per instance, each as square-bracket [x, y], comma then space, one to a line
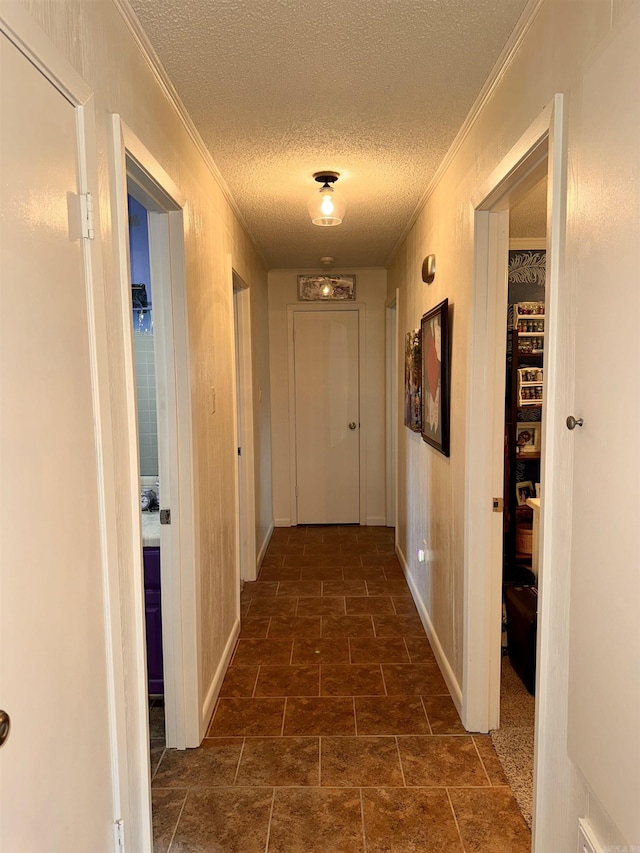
[282, 522]
[264, 546]
[441, 658]
[376, 521]
[218, 678]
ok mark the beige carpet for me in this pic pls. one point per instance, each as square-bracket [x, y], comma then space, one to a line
[513, 741]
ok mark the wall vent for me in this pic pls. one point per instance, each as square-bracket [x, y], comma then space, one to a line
[587, 841]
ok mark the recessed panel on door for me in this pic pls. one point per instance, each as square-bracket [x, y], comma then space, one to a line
[327, 417]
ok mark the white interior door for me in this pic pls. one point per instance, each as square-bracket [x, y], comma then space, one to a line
[55, 768]
[327, 417]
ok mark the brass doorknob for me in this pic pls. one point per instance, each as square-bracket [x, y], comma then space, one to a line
[352, 425]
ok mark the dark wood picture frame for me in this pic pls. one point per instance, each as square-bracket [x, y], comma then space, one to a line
[413, 381]
[434, 327]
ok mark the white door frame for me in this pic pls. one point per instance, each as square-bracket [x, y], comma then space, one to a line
[243, 381]
[292, 310]
[180, 618]
[542, 148]
[130, 768]
[391, 409]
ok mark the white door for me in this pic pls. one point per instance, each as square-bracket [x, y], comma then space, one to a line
[327, 417]
[55, 769]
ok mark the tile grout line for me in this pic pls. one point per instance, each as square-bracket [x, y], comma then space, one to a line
[424, 708]
[175, 828]
[235, 775]
[364, 831]
[255, 683]
[475, 745]
[355, 717]
[455, 818]
[404, 781]
[384, 682]
[284, 716]
[268, 840]
[319, 761]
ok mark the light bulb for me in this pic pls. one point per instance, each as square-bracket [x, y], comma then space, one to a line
[326, 206]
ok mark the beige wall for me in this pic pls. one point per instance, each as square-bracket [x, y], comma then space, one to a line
[371, 285]
[562, 49]
[98, 43]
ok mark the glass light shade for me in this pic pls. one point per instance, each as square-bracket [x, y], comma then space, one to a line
[327, 207]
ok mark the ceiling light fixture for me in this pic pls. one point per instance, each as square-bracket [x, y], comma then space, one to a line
[327, 207]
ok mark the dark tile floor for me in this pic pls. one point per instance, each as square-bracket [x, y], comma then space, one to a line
[334, 731]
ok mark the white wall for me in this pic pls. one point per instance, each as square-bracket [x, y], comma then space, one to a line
[561, 51]
[371, 285]
[97, 41]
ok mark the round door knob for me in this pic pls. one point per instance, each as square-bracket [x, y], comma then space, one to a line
[572, 422]
[5, 726]
[352, 425]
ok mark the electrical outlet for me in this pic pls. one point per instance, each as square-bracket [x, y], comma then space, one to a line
[420, 555]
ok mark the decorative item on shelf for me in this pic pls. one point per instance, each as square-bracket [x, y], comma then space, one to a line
[528, 438]
[326, 206]
[530, 385]
[524, 491]
[314, 288]
[429, 269]
[413, 381]
[434, 328]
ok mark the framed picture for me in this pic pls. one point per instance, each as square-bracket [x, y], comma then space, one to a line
[524, 491]
[413, 381]
[317, 288]
[434, 327]
[528, 437]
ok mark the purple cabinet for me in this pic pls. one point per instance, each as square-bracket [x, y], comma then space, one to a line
[153, 619]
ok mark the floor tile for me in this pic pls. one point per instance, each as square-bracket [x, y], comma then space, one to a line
[216, 820]
[288, 681]
[213, 764]
[259, 589]
[351, 680]
[244, 608]
[156, 722]
[156, 750]
[256, 652]
[490, 760]
[299, 588]
[321, 651]
[352, 546]
[338, 587]
[322, 573]
[280, 573]
[345, 561]
[272, 560]
[413, 679]
[442, 761]
[443, 716]
[490, 821]
[398, 626]
[284, 548]
[323, 716]
[404, 604]
[239, 681]
[394, 573]
[383, 587]
[420, 650]
[324, 606]
[360, 761]
[316, 820]
[289, 761]
[321, 549]
[294, 626]
[255, 628]
[398, 820]
[390, 715]
[365, 573]
[247, 718]
[276, 606]
[304, 561]
[388, 650]
[347, 626]
[166, 806]
[369, 604]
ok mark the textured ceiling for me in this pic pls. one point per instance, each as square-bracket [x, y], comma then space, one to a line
[373, 89]
[529, 217]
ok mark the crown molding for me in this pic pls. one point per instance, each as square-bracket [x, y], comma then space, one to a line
[164, 81]
[507, 55]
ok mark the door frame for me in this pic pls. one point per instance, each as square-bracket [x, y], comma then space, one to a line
[391, 408]
[130, 785]
[542, 147]
[243, 425]
[179, 557]
[292, 310]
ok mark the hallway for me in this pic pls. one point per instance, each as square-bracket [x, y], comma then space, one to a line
[334, 730]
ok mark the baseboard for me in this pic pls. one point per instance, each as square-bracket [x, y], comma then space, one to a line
[264, 546]
[376, 521]
[441, 658]
[282, 522]
[218, 678]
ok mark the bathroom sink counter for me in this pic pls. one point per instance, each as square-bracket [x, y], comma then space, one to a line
[150, 529]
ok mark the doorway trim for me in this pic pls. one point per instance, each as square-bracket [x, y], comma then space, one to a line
[293, 309]
[542, 148]
[391, 407]
[180, 617]
[243, 382]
